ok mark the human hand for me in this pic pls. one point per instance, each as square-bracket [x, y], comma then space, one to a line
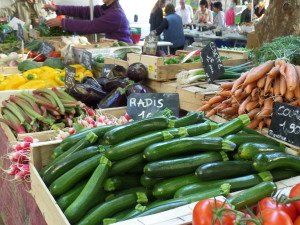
[56, 22]
[50, 7]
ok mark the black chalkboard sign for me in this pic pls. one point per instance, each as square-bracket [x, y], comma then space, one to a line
[86, 59]
[70, 77]
[211, 61]
[140, 106]
[20, 34]
[150, 45]
[106, 68]
[46, 48]
[285, 123]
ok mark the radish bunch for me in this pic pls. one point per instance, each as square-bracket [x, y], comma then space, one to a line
[19, 158]
[94, 121]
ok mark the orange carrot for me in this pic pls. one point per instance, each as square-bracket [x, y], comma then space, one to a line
[261, 125]
[282, 64]
[291, 77]
[252, 105]
[258, 72]
[211, 112]
[238, 92]
[273, 72]
[278, 99]
[262, 93]
[216, 99]
[294, 103]
[254, 123]
[255, 98]
[282, 85]
[204, 107]
[261, 100]
[253, 113]
[261, 82]
[268, 121]
[227, 86]
[289, 95]
[276, 87]
[220, 107]
[254, 92]
[230, 110]
[243, 105]
[239, 81]
[225, 93]
[227, 101]
[249, 87]
[266, 110]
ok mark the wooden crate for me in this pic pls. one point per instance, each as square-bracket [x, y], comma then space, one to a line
[8, 70]
[232, 54]
[120, 62]
[160, 72]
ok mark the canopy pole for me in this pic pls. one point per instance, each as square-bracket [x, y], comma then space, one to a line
[94, 36]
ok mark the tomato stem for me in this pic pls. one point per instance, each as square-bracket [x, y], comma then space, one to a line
[289, 200]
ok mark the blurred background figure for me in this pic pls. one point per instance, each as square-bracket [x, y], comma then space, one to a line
[260, 10]
[203, 15]
[172, 28]
[246, 14]
[185, 12]
[230, 15]
[156, 16]
[219, 18]
[28, 11]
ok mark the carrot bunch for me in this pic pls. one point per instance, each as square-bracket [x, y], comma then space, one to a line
[256, 91]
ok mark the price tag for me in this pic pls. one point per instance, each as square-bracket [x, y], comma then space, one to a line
[46, 48]
[67, 54]
[141, 106]
[20, 34]
[211, 61]
[150, 45]
[86, 59]
[106, 69]
[70, 77]
[285, 123]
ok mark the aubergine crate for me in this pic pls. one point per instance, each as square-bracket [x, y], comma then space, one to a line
[41, 155]
[231, 54]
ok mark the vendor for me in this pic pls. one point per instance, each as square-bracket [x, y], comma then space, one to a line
[259, 11]
[203, 15]
[246, 14]
[219, 18]
[185, 12]
[156, 16]
[28, 11]
[109, 19]
[172, 28]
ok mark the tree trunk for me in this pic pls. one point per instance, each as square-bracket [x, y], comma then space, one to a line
[282, 18]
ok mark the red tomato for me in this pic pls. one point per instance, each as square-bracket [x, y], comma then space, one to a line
[203, 214]
[274, 217]
[297, 221]
[270, 203]
[295, 191]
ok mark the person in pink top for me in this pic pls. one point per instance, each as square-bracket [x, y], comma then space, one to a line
[230, 16]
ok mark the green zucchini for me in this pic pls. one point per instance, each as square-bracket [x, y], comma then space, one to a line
[92, 191]
[167, 188]
[238, 183]
[69, 162]
[124, 165]
[138, 169]
[282, 174]
[181, 165]
[240, 139]
[189, 119]
[88, 140]
[65, 182]
[57, 152]
[66, 199]
[137, 210]
[121, 182]
[135, 128]
[107, 209]
[267, 161]
[133, 190]
[230, 169]
[149, 182]
[250, 130]
[200, 128]
[73, 139]
[186, 145]
[230, 127]
[123, 213]
[251, 196]
[248, 150]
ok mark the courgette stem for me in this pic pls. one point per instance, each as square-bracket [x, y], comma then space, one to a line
[266, 176]
[228, 145]
[182, 132]
[245, 119]
[225, 188]
[213, 125]
[91, 137]
[109, 185]
[141, 197]
[106, 161]
[171, 123]
[108, 221]
[224, 156]
[167, 135]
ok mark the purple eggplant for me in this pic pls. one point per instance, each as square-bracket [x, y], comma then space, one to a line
[119, 71]
[116, 98]
[87, 94]
[137, 88]
[102, 81]
[137, 72]
[115, 83]
[90, 81]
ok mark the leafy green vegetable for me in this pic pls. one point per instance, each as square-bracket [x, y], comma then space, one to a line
[46, 31]
[54, 63]
[250, 51]
[28, 65]
[287, 47]
[99, 58]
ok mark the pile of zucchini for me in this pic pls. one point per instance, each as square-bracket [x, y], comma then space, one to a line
[114, 173]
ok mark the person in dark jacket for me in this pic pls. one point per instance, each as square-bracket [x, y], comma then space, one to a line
[172, 28]
[109, 19]
[246, 14]
[156, 16]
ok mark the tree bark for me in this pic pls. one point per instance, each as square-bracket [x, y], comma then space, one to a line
[282, 18]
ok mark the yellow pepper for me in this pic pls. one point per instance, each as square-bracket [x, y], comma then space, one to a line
[60, 79]
[36, 71]
[51, 83]
[33, 84]
[47, 68]
[48, 75]
[14, 84]
[79, 68]
[30, 76]
[88, 73]
[3, 85]
[79, 76]
[2, 78]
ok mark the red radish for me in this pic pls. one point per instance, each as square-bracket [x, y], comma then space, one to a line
[28, 139]
[72, 131]
[90, 120]
[23, 173]
[18, 147]
[25, 145]
[99, 124]
[13, 169]
[19, 156]
[91, 126]
[127, 116]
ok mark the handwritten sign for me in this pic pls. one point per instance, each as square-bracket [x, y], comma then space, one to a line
[285, 123]
[86, 59]
[140, 106]
[150, 45]
[211, 61]
[46, 48]
[70, 77]
[106, 68]
[20, 34]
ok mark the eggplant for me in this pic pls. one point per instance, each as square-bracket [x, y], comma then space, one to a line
[116, 98]
[102, 80]
[115, 83]
[137, 72]
[90, 81]
[87, 94]
[137, 88]
[119, 71]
